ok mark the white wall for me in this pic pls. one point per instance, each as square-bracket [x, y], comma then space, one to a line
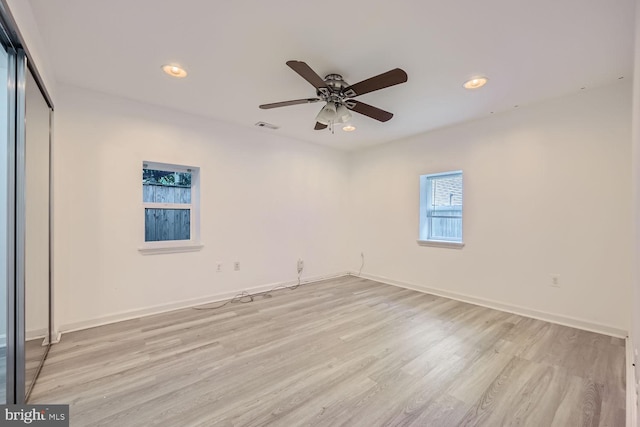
[546, 191]
[265, 201]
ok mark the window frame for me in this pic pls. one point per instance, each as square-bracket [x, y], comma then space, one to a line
[170, 246]
[426, 195]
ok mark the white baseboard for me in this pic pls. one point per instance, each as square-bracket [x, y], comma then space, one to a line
[523, 311]
[57, 335]
[35, 334]
[56, 340]
[163, 308]
[632, 392]
[509, 308]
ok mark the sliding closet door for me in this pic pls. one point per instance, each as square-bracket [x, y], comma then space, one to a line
[36, 250]
[25, 292]
[6, 105]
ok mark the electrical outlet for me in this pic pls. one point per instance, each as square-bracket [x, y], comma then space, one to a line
[236, 266]
[218, 267]
[300, 265]
[555, 280]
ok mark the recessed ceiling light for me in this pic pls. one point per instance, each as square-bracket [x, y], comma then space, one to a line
[349, 128]
[174, 70]
[475, 83]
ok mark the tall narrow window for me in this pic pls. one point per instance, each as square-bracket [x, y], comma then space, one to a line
[170, 204]
[441, 207]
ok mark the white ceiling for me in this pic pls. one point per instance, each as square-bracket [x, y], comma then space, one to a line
[235, 52]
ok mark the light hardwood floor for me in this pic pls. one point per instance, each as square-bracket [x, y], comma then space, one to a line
[344, 352]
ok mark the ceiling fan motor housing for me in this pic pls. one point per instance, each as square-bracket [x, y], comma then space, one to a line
[336, 84]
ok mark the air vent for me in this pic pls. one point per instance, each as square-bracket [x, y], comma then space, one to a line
[267, 125]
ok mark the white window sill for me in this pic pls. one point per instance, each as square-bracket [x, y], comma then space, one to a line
[441, 244]
[169, 248]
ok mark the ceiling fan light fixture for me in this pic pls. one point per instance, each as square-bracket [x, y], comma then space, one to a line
[327, 114]
[475, 83]
[343, 113]
[349, 128]
[174, 70]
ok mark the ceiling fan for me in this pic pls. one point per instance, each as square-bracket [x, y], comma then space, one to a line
[339, 95]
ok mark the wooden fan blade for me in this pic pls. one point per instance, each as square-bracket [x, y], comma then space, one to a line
[381, 81]
[368, 110]
[308, 74]
[287, 103]
[319, 126]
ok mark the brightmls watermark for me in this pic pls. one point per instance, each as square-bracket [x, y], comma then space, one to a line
[34, 415]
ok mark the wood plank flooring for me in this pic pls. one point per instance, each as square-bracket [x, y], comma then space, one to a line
[343, 352]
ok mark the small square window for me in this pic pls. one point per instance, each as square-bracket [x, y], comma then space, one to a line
[170, 202]
[441, 207]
